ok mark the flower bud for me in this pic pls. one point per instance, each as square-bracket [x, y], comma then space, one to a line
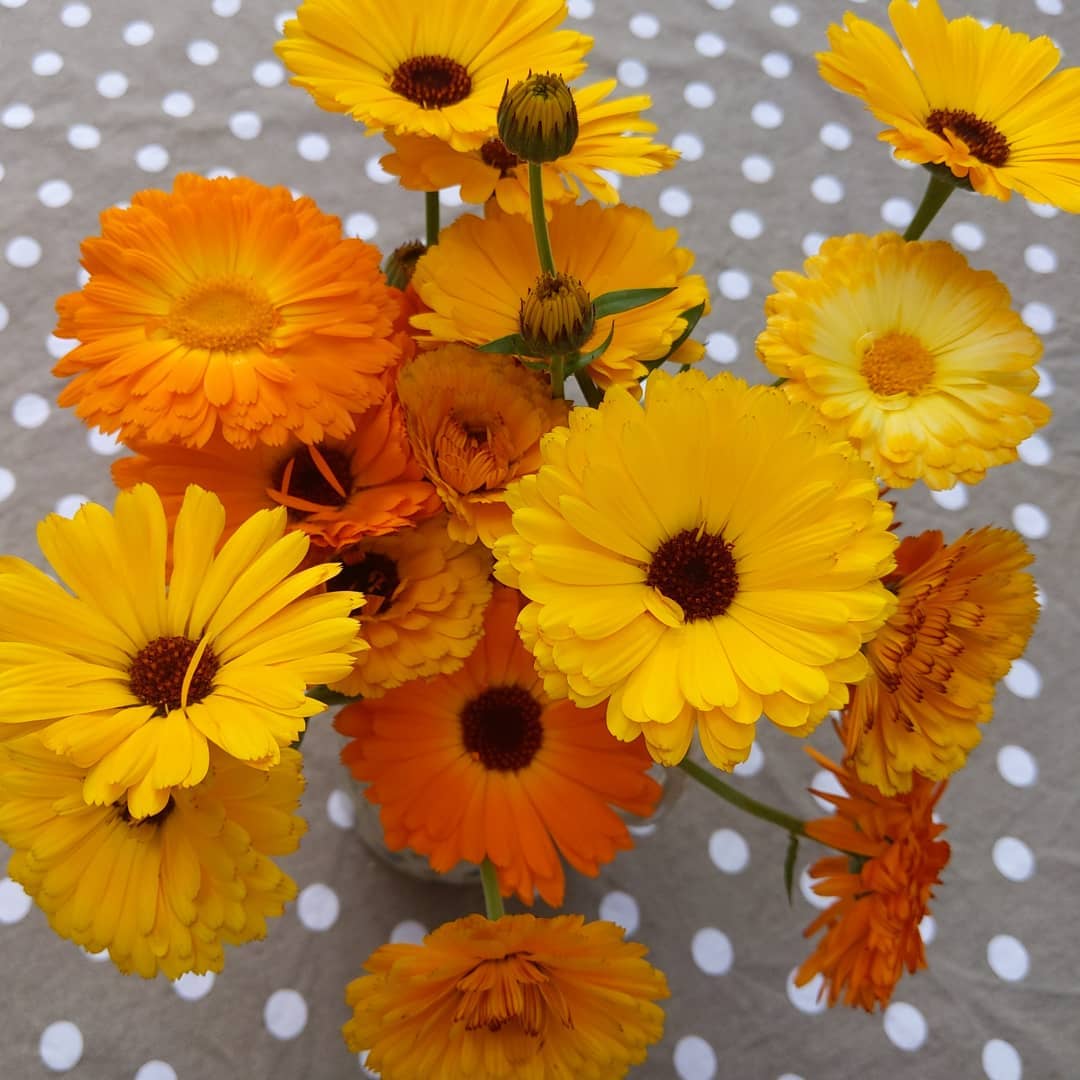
[401, 262]
[557, 315]
[538, 119]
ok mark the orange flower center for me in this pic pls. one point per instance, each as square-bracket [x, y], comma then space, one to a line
[157, 673]
[982, 139]
[375, 575]
[697, 570]
[897, 363]
[230, 313]
[313, 479]
[501, 728]
[495, 154]
[432, 82]
[474, 452]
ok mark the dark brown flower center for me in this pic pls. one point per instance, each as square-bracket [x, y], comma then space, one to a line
[496, 155]
[157, 673]
[433, 82]
[312, 479]
[375, 575]
[502, 728]
[980, 136]
[697, 571]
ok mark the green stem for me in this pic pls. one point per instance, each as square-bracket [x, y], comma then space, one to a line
[937, 191]
[759, 809]
[593, 394]
[493, 904]
[431, 217]
[558, 376]
[540, 230]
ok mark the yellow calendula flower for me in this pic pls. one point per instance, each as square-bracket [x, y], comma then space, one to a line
[134, 674]
[980, 101]
[701, 560]
[905, 349]
[426, 67]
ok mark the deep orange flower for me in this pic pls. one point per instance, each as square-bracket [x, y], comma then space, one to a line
[483, 764]
[965, 613]
[517, 998]
[225, 306]
[883, 885]
[337, 491]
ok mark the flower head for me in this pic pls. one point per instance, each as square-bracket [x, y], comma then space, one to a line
[532, 999]
[1018, 130]
[134, 677]
[557, 315]
[225, 306]
[497, 769]
[697, 562]
[937, 389]
[883, 886]
[538, 120]
[965, 612]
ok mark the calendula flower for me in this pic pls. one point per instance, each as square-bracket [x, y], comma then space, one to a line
[903, 348]
[518, 998]
[426, 67]
[337, 491]
[966, 611]
[883, 885]
[226, 306]
[701, 560]
[475, 421]
[978, 100]
[497, 769]
[134, 676]
[423, 613]
[478, 277]
[161, 893]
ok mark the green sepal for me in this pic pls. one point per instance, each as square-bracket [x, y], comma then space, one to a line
[330, 698]
[692, 317]
[615, 303]
[511, 345]
[946, 175]
[583, 360]
[789, 864]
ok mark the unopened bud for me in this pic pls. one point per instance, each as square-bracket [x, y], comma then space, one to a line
[538, 119]
[557, 315]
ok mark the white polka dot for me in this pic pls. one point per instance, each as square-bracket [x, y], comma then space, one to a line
[202, 52]
[968, 235]
[785, 15]
[54, 193]
[1035, 450]
[75, 16]
[754, 762]
[1000, 1060]
[268, 73]
[285, 1014]
[675, 201]
[1031, 521]
[694, 1058]
[722, 347]
[641, 830]
[178, 104]
[721, 5]
[17, 116]
[622, 909]
[4, 316]
[811, 243]
[644, 25]
[318, 906]
[152, 158]
[138, 33]
[897, 212]
[1007, 957]
[192, 987]
[776, 65]
[1043, 210]
[746, 224]
[1013, 858]
[362, 1059]
[712, 951]
[47, 63]
[827, 189]
[225, 8]
[1045, 386]
[806, 887]
[954, 498]
[710, 44]
[96, 957]
[245, 125]
[1017, 766]
[614, 179]
[835, 136]
[729, 851]
[905, 1026]
[791, 1076]
[7, 483]
[376, 172]
[1040, 317]
[61, 1044]
[13, 3]
[734, 284]
[156, 1070]
[112, 84]
[632, 72]
[408, 932]
[689, 146]
[30, 410]
[767, 115]
[23, 252]
[699, 95]
[340, 809]
[757, 168]
[100, 443]
[14, 903]
[805, 998]
[580, 9]
[1024, 680]
[84, 136]
[313, 146]
[825, 780]
[1040, 258]
[361, 225]
[57, 347]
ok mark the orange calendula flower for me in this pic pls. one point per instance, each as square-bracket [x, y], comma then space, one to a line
[496, 769]
[424, 601]
[517, 998]
[475, 422]
[883, 885]
[612, 136]
[225, 306]
[965, 613]
[338, 491]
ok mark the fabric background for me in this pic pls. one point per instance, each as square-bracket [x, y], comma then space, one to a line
[102, 98]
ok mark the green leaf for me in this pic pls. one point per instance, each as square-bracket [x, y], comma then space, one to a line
[583, 360]
[330, 698]
[511, 345]
[789, 864]
[615, 303]
[692, 317]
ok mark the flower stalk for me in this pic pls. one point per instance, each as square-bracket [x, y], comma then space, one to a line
[795, 826]
[937, 191]
[431, 217]
[540, 229]
[493, 902]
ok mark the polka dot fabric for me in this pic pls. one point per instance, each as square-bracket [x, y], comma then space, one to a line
[101, 98]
